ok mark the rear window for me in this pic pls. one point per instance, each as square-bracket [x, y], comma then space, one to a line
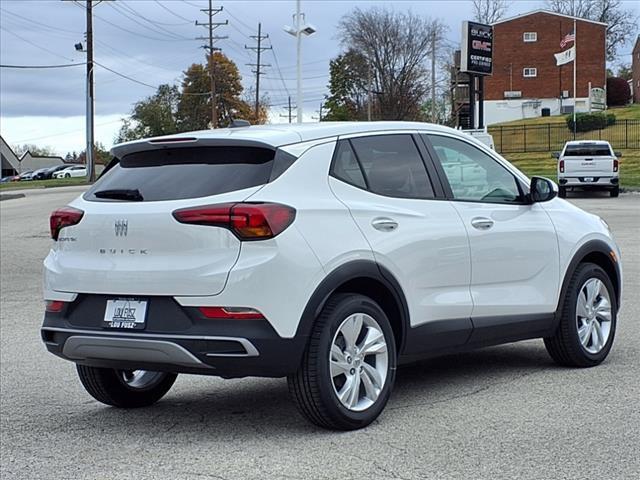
[587, 151]
[179, 173]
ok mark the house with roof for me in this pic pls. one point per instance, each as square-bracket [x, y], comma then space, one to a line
[10, 162]
[13, 165]
[635, 71]
[526, 78]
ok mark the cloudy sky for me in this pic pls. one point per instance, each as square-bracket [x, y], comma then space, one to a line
[152, 42]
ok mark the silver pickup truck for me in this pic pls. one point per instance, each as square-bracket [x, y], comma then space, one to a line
[588, 164]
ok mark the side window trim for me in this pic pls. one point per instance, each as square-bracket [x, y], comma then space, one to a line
[334, 159]
[523, 190]
[355, 155]
[432, 171]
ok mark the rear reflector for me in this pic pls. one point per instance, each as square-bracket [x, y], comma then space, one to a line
[615, 165]
[236, 313]
[248, 221]
[561, 166]
[64, 217]
[54, 306]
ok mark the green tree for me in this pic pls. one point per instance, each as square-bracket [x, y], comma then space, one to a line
[348, 87]
[155, 115]
[194, 107]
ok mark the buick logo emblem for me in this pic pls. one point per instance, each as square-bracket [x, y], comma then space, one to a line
[121, 227]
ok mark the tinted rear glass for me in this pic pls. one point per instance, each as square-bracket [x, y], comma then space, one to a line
[178, 173]
[587, 151]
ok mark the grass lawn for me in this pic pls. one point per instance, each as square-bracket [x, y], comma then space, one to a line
[55, 182]
[631, 112]
[542, 164]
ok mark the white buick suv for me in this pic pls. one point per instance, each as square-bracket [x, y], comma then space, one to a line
[327, 253]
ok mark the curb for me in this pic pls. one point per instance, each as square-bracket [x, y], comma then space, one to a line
[11, 196]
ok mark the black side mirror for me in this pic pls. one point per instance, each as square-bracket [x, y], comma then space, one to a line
[555, 154]
[542, 190]
[617, 154]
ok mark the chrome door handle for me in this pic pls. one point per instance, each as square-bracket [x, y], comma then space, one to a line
[384, 224]
[482, 223]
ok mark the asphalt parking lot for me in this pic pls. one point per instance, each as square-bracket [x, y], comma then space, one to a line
[502, 412]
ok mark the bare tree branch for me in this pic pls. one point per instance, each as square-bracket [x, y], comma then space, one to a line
[489, 11]
[622, 24]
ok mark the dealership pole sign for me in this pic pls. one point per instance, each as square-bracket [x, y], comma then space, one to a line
[477, 48]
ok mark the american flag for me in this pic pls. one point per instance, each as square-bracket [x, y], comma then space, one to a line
[568, 38]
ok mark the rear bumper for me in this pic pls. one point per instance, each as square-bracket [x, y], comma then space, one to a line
[175, 339]
[598, 182]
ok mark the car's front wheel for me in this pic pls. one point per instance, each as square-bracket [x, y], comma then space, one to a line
[614, 192]
[588, 319]
[348, 368]
[125, 388]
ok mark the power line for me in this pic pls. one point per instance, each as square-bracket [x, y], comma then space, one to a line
[157, 30]
[173, 13]
[125, 76]
[31, 21]
[43, 66]
[155, 22]
[275, 58]
[34, 44]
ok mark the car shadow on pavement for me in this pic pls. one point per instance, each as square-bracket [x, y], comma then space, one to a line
[262, 405]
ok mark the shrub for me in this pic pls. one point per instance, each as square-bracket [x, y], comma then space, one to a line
[586, 122]
[618, 91]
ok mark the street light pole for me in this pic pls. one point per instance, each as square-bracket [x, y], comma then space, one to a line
[89, 156]
[298, 63]
[300, 28]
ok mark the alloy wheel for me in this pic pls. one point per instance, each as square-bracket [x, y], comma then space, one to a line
[358, 362]
[140, 379]
[593, 315]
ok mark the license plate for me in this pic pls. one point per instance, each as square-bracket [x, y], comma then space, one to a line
[127, 313]
[588, 179]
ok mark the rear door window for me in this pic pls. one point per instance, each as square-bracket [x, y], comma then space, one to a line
[180, 173]
[392, 166]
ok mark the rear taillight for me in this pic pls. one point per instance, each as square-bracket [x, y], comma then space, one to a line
[235, 313]
[248, 221]
[615, 165]
[561, 166]
[54, 306]
[64, 217]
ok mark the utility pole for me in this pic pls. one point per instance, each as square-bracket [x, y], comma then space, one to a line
[319, 112]
[210, 49]
[369, 94]
[90, 151]
[259, 49]
[290, 108]
[433, 77]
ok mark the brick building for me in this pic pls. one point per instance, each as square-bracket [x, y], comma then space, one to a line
[635, 71]
[525, 76]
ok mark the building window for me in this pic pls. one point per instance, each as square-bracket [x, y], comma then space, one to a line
[530, 36]
[529, 72]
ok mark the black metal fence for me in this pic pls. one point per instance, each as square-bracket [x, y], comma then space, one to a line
[552, 136]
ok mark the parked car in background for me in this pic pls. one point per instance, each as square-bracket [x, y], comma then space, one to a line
[57, 168]
[40, 173]
[588, 164]
[69, 172]
[329, 253]
[7, 179]
[24, 176]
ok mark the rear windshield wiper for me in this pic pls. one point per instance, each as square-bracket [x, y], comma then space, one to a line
[132, 195]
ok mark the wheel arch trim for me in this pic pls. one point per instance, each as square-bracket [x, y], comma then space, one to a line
[599, 251]
[348, 272]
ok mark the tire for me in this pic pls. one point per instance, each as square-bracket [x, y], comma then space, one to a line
[614, 192]
[66, 175]
[315, 390]
[110, 387]
[562, 192]
[565, 346]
